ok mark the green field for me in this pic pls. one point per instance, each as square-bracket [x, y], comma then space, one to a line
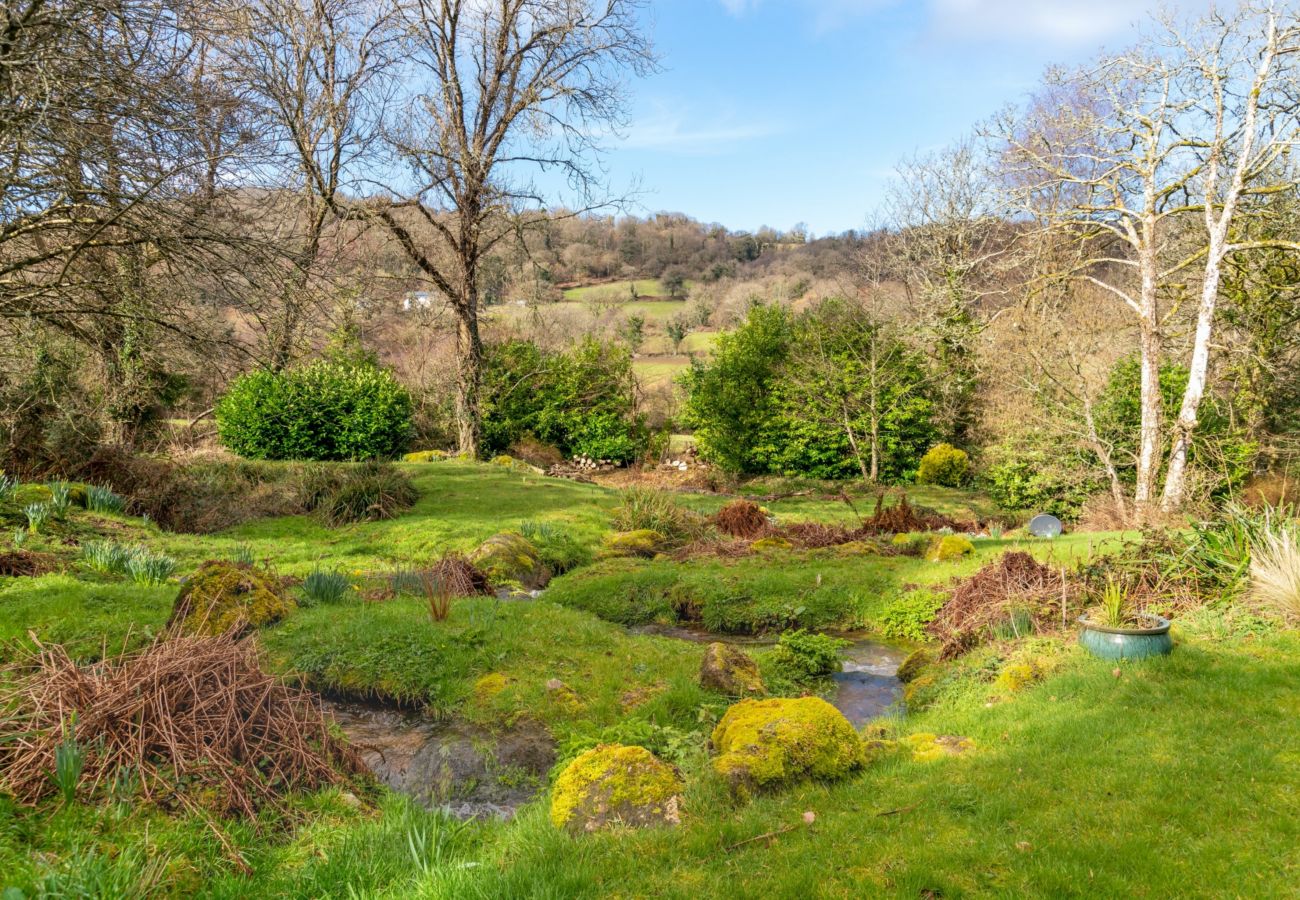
[1172, 777]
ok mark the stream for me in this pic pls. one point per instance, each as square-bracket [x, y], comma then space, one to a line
[473, 772]
[866, 687]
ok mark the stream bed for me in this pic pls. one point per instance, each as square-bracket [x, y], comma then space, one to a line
[865, 688]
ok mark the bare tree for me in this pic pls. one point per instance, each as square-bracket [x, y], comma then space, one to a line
[1123, 157]
[502, 88]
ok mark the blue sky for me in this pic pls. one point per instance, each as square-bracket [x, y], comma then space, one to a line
[773, 112]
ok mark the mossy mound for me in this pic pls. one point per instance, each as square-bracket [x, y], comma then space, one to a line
[913, 664]
[643, 543]
[857, 548]
[424, 456]
[510, 558]
[729, 670]
[563, 696]
[488, 686]
[950, 547]
[771, 543]
[763, 743]
[222, 596]
[613, 784]
[927, 747]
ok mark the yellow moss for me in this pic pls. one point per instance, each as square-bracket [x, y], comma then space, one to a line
[424, 456]
[613, 784]
[222, 595]
[857, 548]
[643, 542]
[767, 742]
[902, 540]
[1016, 677]
[771, 543]
[489, 686]
[950, 547]
[928, 747]
[917, 687]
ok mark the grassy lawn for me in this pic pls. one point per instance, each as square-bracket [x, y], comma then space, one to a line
[645, 287]
[1174, 778]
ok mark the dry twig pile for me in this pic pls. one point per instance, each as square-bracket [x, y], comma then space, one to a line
[185, 717]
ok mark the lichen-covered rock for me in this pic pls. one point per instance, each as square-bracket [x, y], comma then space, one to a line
[771, 543]
[424, 456]
[222, 596]
[510, 558]
[729, 670]
[643, 543]
[913, 664]
[950, 547]
[763, 743]
[563, 696]
[613, 784]
[926, 747]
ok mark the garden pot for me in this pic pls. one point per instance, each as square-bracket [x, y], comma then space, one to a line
[1127, 643]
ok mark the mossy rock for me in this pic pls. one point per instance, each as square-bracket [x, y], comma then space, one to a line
[926, 747]
[766, 743]
[950, 547]
[616, 785]
[563, 696]
[26, 494]
[771, 543]
[857, 548]
[1016, 677]
[223, 595]
[730, 670]
[642, 543]
[510, 558]
[913, 664]
[424, 456]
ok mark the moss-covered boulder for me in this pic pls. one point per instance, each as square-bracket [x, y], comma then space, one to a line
[612, 785]
[643, 543]
[950, 547]
[764, 743]
[911, 667]
[222, 596]
[856, 548]
[510, 558]
[729, 670]
[769, 544]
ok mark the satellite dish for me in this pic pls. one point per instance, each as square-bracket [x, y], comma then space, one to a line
[1045, 526]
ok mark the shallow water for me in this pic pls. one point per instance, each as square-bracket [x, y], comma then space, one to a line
[866, 688]
[465, 769]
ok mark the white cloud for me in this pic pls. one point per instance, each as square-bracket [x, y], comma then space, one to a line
[671, 134]
[1053, 21]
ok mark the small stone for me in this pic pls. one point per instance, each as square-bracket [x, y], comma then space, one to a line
[350, 800]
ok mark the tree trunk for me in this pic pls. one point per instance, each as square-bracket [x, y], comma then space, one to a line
[1151, 348]
[469, 372]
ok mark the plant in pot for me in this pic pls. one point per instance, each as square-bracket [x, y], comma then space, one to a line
[1115, 630]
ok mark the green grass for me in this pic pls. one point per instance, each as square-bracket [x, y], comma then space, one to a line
[622, 290]
[1176, 778]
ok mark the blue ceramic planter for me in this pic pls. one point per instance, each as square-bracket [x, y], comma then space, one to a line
[1126, 643]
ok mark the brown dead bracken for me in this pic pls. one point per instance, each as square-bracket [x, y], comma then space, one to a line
[194, 720]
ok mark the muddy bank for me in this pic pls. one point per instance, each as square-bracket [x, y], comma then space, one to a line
[468, 770]
[865, 688]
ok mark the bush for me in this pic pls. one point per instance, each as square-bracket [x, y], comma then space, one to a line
[582, 400]
[944, 465]
[907, 617]
[370, 493]
[804, 656]
[1031, 473]
[327, 410]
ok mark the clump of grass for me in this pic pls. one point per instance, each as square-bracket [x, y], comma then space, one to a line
[370, 493]
[1114, 605]
[326, 586]
[108, 557]
[1275, 574]
[8, 486]
[37, 515]
[69, 760]
[140, 563]
[102, 499]
[451, 576]
[149, 568]
[651, 509]
[243, 555]
[559, 550]
[60, 498]
[20, 538]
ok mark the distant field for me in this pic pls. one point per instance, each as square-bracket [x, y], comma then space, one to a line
[657, 371]
[617, 290]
